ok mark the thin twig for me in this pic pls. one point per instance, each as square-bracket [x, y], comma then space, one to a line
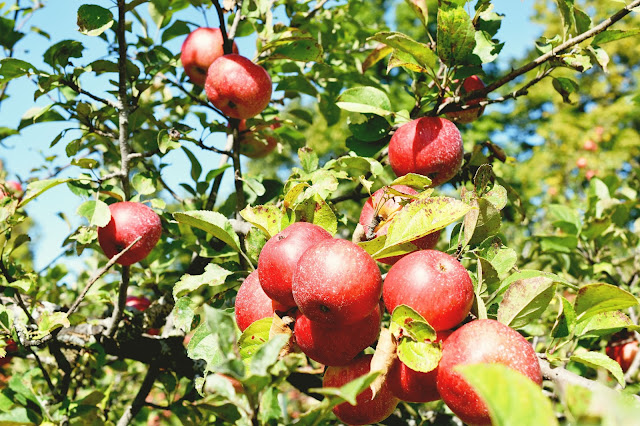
[74, 86]
[138, 402]
[123, 107]
[120, 304]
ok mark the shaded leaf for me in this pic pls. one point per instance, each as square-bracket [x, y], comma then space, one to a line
[93, 20]
[424, 56]
[525, 301]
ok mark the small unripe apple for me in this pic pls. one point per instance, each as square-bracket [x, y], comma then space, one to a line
[252, 303]
[469, 115]
[367, 410]
[238, 87]
[481, 341]
[279, 257]
[414, 386]
[253, 144]
[336, 282]
[590, 145]
[581, 163]
[336, 345]
[201, 47]
[430, 146]
[381, 208]
[129, 221]
[432, 283]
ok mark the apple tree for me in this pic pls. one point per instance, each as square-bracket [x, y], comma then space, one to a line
[381, 223]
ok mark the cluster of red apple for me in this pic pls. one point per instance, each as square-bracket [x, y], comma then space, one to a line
[235, 85]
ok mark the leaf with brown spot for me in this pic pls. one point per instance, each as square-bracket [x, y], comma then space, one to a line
[283, 326]
[383, 359]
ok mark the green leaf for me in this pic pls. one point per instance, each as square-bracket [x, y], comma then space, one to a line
[196, 168]
[365, 100]
[558, 243]
[59, 54]
[350, 391]
[36, 188]
[526, 274]
[566, 321]
[597, 359]
[297, 47]
[213, 223]
[93, 20]
[177, 29]
[253, 337]
[605, 323]
[96, 211]
[267, 355]
[214, 338]
[144, 185]
[583, 21]
[422, 217]
[488, 223]
[485, 50]
[417, 347]
[565, 86]
[47, 322]
[40, 115]
[214, 276]
[419, 356]
[613, 35]
[501, 258]
[525, 301]
[8, 35]
[406, 321]
[422, 53]
[593, 299]
[568, 19]
[456, 36]
[183, 313]
[512, 398]
[415, 181]
[267, 218]
[368, 127]
[421, 9]
[565, 217]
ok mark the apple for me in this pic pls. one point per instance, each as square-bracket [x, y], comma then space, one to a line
[130, 220]
[430, 146]
[252, 303]
[11, 188]
[336, 345]
[238, 87]
[469, 115]
[622, 349]
[367, 410]
[590, 174]
[336, 282]
[253, 144]
[279, 257]
[581, 163]
[590, 145]
[481, 341]
[141, 303]
[414, 386]
[434, 284]
[201, 47]
[11, 347]
[381, 208]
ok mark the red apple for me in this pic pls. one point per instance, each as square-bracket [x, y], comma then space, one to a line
[428, 146]
[481, 341]
[590, 174]
[254, 144]
[238, 87]
[581, 163]
[622, 349]
[252, 303]
[367, 410]
[336, 345]
[12, 188]
[141, 303]
[414, 386]
[434, 284]
[470, 114]
[279, 257]
[383, 208]
[336, 282]
[199, 50]
[590, 145]
[129, 221]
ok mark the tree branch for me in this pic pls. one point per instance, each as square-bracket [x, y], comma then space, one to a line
[138, 401]
[118, 307]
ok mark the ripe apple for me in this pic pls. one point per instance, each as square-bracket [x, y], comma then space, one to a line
[380, 209]
[470, 114]
[590, 145]
[253, 144]
[414, 386]
[336, 282]
[252, 303]
[238, 87]
[430, 146]
[130, 220]
[434, 284]
[141, 303]
[622, 350]
[481, 341]
[336, 345]
[367, 410]
[280, 255]
[201, 47]
[581, 163]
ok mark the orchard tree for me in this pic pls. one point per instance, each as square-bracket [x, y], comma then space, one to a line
[414, 233]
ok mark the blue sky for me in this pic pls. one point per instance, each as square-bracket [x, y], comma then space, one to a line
[23, 152]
